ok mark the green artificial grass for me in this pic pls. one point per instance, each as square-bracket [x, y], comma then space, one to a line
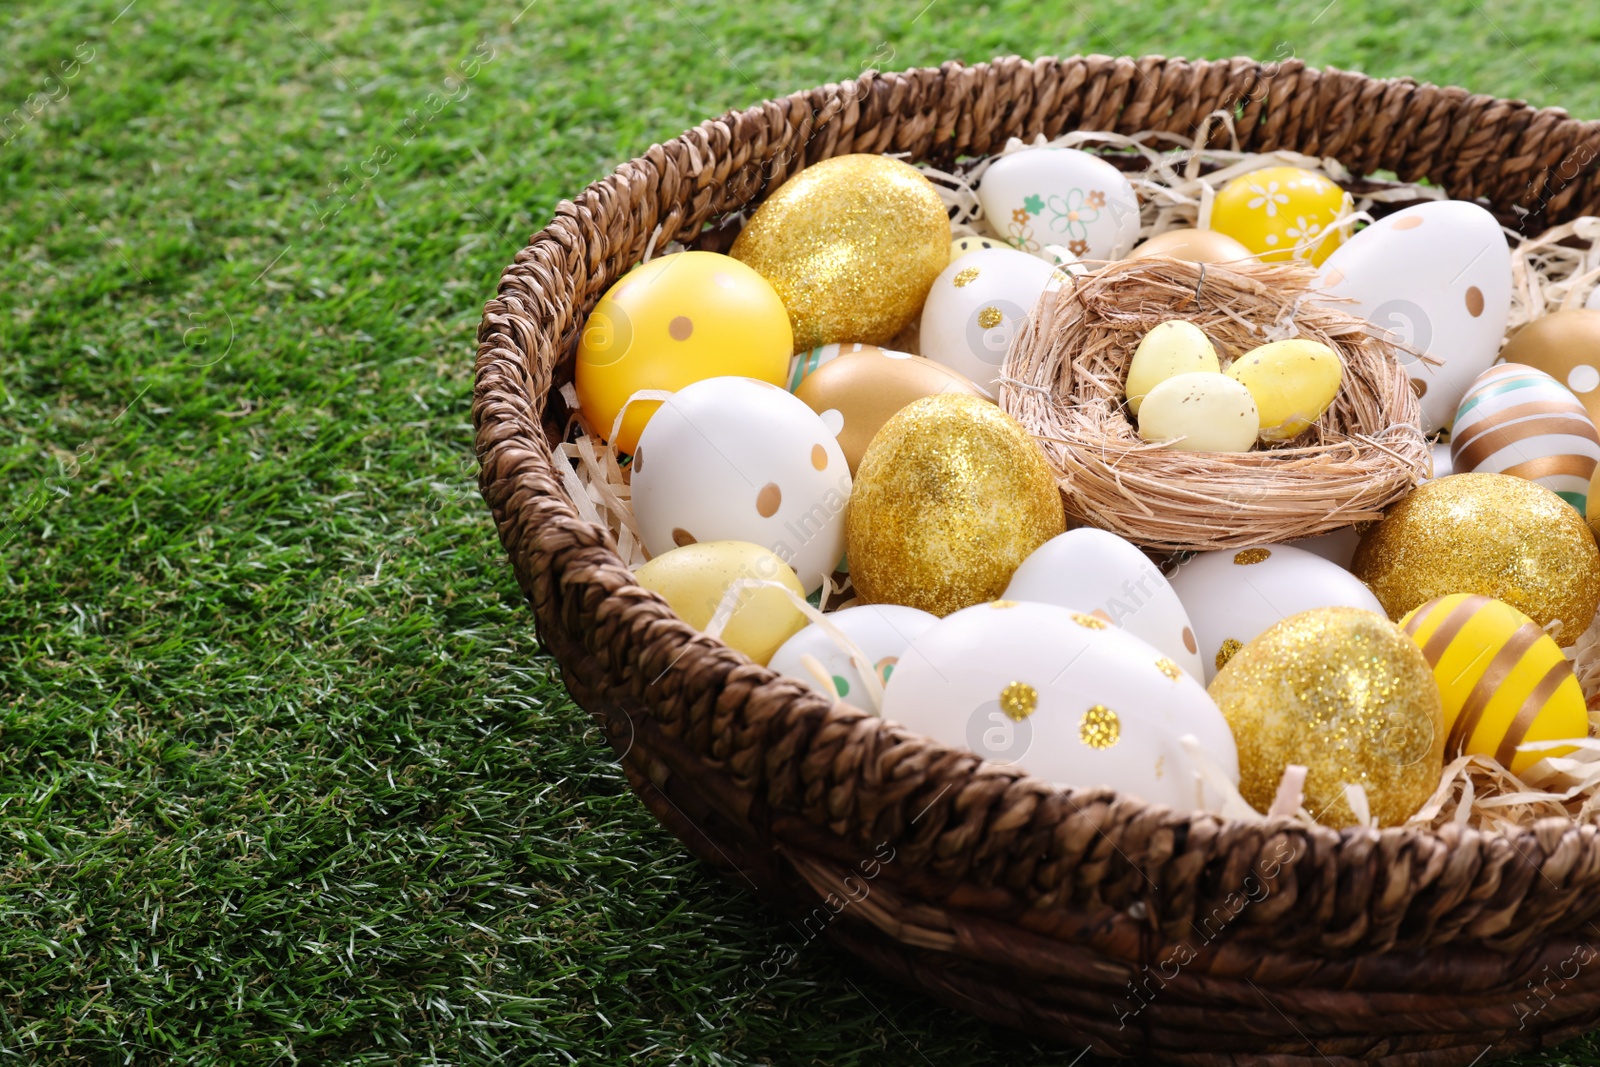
[285, 776]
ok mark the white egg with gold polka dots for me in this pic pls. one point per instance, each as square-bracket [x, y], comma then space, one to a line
[1235, 594]
[1096, 571]
[1436, 278]
[977, 305]
[881, 633]
[1066, 697]
[736, 459]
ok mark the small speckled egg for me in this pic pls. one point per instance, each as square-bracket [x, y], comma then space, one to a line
[962, 245]
[806, 363]
[1063, 695]
[1292, 382]
[1504, 680]
[1437, 279]
[865, 389]
[675, 320]
[1519, 421]
[1174, 347]
[882, 632]
[694, 580]
[735, 459]
[1100, 574]
[1234, 595]
[1203, 411]
[976, 307]
[1281, 213]
[1038, 197]
[1196, 246]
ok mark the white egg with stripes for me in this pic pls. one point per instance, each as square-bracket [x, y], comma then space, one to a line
[1520, 421]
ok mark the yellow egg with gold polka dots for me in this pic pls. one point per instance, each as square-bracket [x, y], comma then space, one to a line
[1282, 213]
[676, 320]
[1503, 679]
[1063, 695]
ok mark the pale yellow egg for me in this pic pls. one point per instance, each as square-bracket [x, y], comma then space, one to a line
[1293, 382]
[694, 580]
[1171, 348]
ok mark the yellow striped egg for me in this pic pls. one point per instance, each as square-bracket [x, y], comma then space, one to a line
[1503, 680]
[1520, 421]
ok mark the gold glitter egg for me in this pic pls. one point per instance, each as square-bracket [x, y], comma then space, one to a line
[951, 496]
[852, 245]
[1346, 694]
[1491, 534]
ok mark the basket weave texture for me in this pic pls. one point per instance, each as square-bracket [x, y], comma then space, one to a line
[1082, 915]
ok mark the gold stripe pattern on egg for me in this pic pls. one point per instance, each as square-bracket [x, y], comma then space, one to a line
[1520, 421]
[1502, 679]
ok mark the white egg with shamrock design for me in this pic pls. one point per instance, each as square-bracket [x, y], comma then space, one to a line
[880, 632]
[1065, 696]
[737, 459]
[1042, 199]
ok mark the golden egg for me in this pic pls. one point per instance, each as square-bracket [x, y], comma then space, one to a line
[852, 245]
[868, 387]
[1196, 246]
[950, 498]
[1492, 534]
[1346, 694]
[1566, 346]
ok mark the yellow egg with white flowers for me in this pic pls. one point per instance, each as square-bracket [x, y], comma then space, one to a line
[1503, 680]
[696, 578]
[1282, 213]
[674, 321]
[1292, 382]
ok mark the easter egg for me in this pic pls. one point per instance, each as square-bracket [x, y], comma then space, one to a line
[1337, 547]
[1281, 213]
[1064, 696]
[962, 245]
[851, 244]
[1038, 197]
[1592, 512]
[805, 362]
[1174, 347]
[1346, 694]
[977, 305]
[866, 388]
[1235, 595]
[735, 459]
[881, 633]
[1292, 383]
[1098, 573]
[1503, 681]
[1202, 411]
[1435, 278]
[1195, 246]
[1491, 534]
[1442, 464]
[1566, 346]
[950, 498]
[1520, 421]
[675, 320]
[694, 580]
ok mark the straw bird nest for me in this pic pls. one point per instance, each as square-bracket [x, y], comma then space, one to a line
[1064, 378]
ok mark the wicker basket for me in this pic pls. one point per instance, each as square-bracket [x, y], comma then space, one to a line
[1081, 915]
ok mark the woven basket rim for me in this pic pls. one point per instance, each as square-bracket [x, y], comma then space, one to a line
[807, 786]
